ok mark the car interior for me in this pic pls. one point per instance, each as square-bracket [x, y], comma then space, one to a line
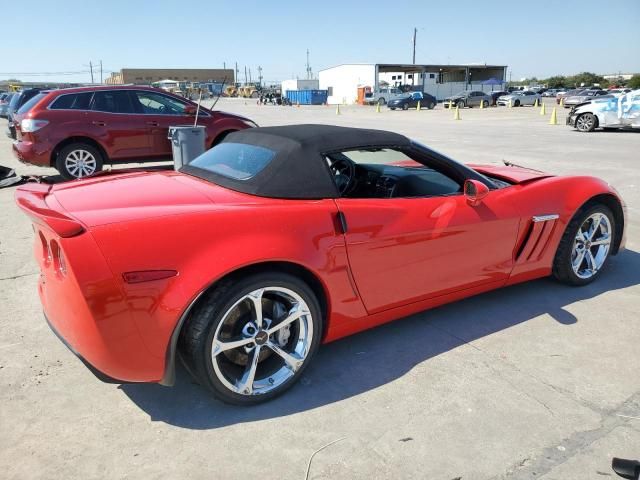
[387, 173]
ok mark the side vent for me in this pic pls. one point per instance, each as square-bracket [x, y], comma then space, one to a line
[536, 238]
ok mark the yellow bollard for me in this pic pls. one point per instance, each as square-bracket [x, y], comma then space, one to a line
[543, 110]
[554, 117]
[481, 104]
[338, 109]
[562, 101]
[418, 106]
[456, 115]
[450, 105]
[377, 108]
[535, 104]
[510, 104]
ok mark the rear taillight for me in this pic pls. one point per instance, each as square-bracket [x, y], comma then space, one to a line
[57, 256]
[30, 125]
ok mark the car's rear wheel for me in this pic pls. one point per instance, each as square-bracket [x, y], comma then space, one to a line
[587, 122]
[460, 104]
[585, 246]
[250, 340]
[78, 160]
[485, 103]
[516, 103]
[392, 108]
[431, 105]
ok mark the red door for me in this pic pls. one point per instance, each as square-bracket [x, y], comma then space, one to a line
[115, 123]
[403, 250]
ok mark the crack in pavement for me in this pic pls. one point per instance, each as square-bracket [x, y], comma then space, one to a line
[19, 276]
[552, 456]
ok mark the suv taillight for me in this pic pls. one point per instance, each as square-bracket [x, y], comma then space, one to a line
[29, 125]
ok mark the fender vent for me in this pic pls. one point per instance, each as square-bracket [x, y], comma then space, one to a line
[536, 238]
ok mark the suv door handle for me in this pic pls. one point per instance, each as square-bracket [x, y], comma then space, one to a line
[100, 123]
[153, 124]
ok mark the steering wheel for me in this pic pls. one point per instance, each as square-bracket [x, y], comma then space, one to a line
[344, 171]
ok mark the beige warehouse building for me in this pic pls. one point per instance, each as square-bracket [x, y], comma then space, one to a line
[147, 76]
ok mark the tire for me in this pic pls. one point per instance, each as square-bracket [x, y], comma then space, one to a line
[587, 122]
[229, 311]
[405, 106]
[431, 105]
[460, 104]
[392, 108]
[221, 137]
[571, 247]
[516, 103]
[485, 104]
[78, 160]
[382, 102]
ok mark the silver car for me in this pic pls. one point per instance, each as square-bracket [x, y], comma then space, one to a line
[607, 113]
[520, 98]
[5, 98]
[468, 98]
[584, 96]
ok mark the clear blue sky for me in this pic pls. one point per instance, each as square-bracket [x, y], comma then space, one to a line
[538, 38]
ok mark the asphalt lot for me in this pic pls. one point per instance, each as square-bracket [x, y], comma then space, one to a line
[537, 381]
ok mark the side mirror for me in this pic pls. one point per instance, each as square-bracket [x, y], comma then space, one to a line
[475, 191]
[190, 109]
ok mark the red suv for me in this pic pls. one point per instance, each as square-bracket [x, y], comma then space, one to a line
[78, 130]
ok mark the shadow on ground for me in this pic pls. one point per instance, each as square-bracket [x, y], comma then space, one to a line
[368, 360]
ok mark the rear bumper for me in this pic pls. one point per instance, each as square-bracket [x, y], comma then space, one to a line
[32, 153]
[99, 375]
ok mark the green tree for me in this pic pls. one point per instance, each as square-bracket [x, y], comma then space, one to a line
[587, 79]
[557, 81]
[634, 82]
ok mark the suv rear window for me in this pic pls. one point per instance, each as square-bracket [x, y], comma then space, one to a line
[31, 102]
[72, 101]
[239, 161]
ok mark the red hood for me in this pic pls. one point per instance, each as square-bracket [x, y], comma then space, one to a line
[511, 174]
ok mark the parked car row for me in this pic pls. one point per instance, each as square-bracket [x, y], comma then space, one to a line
[79, 130]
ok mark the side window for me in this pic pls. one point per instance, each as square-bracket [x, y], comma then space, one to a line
[112, 101]
[152, 103]
[74, 101]
[387, 173]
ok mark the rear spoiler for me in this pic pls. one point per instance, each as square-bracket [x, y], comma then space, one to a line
[45, 210]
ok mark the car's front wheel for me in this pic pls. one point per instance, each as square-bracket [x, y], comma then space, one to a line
[250, 340]
[585, 246]
[460, 104]
[78, 160]
[405, 106]
[586, 122]
[381, 101]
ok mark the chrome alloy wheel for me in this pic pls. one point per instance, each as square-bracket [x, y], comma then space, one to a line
[591, 245]
[262, 340]
[80, 163]
[585, 122]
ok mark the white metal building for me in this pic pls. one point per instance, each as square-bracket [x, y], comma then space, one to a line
[298, 84]
[343, 81]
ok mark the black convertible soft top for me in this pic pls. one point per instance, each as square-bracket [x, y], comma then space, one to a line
[298, 169]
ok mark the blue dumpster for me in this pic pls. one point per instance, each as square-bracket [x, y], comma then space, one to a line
[307, 97]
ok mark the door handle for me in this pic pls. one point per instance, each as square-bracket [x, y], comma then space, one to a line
[100, 123]
[153, 124]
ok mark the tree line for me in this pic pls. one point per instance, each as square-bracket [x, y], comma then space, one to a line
[582, 79]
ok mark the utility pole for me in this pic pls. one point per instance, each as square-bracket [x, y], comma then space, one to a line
[245, 74]
[250, 75]
[235, 80]
[309, 73]
[91, 68]
[100, 71]
[259, 76]
[415, 33]
[224, 65]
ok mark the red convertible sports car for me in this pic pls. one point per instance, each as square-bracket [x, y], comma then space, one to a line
[282, 238]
